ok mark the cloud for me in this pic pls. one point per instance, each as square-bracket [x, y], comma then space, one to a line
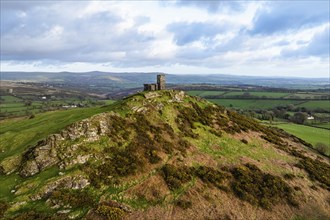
[280, 17]
[213, 6]
[52, 33]
[23, 5]
[201, 35]
[318, 46]
[185, 33]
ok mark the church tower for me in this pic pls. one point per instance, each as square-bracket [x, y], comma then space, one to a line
[161, 81]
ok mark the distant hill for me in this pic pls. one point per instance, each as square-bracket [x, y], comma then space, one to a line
[136, 79]
[158, 155]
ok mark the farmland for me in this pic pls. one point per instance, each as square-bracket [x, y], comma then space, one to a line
[248, 99]
[309, 134]
[248, 104]
[27, 99]
[11, 106]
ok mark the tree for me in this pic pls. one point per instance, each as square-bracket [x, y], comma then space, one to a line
[28, 103]
[320, 147]
[290, 107]
[299, 117]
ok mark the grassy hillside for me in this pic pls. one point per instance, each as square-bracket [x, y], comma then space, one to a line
[20, 133]
[156, 155]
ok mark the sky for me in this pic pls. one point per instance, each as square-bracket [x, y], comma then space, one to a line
[260, 38]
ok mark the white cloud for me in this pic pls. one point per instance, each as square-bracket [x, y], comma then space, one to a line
[178, 36]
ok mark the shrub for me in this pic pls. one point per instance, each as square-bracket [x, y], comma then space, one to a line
[152, 156]
[111, 213]
[35, 215]
[314, 187]
[297, 188]
[74, 198]
[210, 175]
[184, 204]
[123, 162]
[322, 148]
[289, 176]
[244, 141]
[216, 132]
[3, 208]
[175, 177]
[258, 188]
[316, 170]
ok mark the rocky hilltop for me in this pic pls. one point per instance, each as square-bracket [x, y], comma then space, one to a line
[167, 155]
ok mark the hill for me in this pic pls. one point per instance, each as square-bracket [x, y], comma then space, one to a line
[112, 81]
[160, 155]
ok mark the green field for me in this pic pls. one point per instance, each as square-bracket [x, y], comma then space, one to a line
[323, 104]
[9, 98]
[108, 102]
[322, 125]
[18, 134]
[263, 99]
[267, 104]
[238, 93]
[309, 134]
[260, 94]
[252, 104]
[11, 106]
[307, 95]
[205, 93]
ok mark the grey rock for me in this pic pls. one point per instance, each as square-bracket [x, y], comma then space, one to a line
[151, 95]
[30, 168]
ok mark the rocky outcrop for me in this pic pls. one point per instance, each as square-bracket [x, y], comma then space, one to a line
[67, 182]
[30, 168]
[151, 95]
[55, 150]
[178, 97]
[10, 164]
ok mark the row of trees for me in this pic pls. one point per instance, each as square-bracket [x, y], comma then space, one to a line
[297, 117]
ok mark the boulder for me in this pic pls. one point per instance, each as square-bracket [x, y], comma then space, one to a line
[151, 95]
[30, 168]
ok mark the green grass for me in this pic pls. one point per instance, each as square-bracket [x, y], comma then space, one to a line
[8, 183]
[18, 134]
[108, 102]
[252, 104]
[260, 103]
[205, 93]
[33, 184]
[260, 94]
[310, 134]
[308, 95]
[237, 93]
[323, 104]
[322, 125]
[228, 150]
[270, 94]
[9, 98]
[12, 105]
